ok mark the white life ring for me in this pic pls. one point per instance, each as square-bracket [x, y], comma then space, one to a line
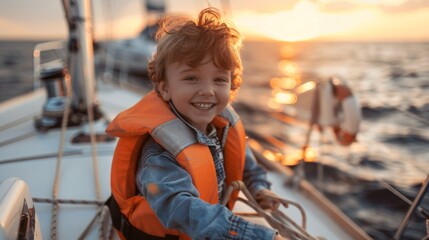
[339, 109]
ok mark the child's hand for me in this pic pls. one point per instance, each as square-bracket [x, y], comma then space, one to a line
[267, 199]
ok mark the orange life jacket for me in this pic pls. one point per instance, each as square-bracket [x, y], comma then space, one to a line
[153, 116]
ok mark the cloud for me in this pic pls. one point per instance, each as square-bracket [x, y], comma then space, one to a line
[406, 6]
[393, 6]
[338, 6]
[384, 26]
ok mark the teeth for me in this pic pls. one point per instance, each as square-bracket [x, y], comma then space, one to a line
[203, 106]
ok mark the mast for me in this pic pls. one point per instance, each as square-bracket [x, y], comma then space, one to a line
[81, 56]
[78, 68]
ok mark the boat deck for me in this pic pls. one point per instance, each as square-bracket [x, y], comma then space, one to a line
[32, 156]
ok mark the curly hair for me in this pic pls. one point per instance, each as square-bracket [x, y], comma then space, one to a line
[181, 39]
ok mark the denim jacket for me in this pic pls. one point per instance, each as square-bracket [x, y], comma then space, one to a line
[177, 203]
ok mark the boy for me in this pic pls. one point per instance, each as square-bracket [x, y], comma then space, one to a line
[186, 143]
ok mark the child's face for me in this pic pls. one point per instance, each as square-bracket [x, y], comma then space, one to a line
[199, 94]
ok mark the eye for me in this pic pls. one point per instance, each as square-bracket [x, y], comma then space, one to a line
[222, 80]
[190, 78]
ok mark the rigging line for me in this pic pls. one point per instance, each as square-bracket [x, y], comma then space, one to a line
[92, 134]
[66, 12]
[388, 150]
[406, 112]
[68, 201]
[226, 7]
[401, 196]
[411, 210]
[55, 187]
[102, 230]
[107, 16]
[85, 232]
[40, 157]
[94, 150]
[90, 111]
[17, 122]
[79, 153]
[272, 219]
[18, 138]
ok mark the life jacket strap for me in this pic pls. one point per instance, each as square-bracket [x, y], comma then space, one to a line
[121, 223]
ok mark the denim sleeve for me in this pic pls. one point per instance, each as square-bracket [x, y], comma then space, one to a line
[169, 190]
[254, 176]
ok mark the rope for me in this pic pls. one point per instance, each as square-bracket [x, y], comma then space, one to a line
[276, 219]
[18, 138]
[388, 151]
[40, 157]
[90, 225]
[94, 151]
[92, 134]
[406, 112]
[427, 229]
[55, 188]
[103, 217]
[55, 201]
[101, 213]
[68, 201]
[401, 196]
[17, 122]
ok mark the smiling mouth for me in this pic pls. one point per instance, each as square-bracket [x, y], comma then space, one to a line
[203, 106]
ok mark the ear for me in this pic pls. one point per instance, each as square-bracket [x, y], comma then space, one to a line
[164, 91]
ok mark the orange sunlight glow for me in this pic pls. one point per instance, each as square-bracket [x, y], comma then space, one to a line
[273, 105]
[293, 158]
[305, 21]
[282, 97]
[295, 25]
[123, 27]
[305, 87]
[289, 68]
[286, 83]
[270, 155]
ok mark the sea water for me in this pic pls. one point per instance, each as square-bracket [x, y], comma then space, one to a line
[391, 82]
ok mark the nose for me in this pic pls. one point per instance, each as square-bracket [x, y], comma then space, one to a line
[206, 89]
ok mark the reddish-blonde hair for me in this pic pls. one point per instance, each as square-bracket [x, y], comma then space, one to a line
[181, 39]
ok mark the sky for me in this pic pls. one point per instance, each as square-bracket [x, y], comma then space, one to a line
[282, 20]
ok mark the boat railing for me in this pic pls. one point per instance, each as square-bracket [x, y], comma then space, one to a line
[412, 209]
